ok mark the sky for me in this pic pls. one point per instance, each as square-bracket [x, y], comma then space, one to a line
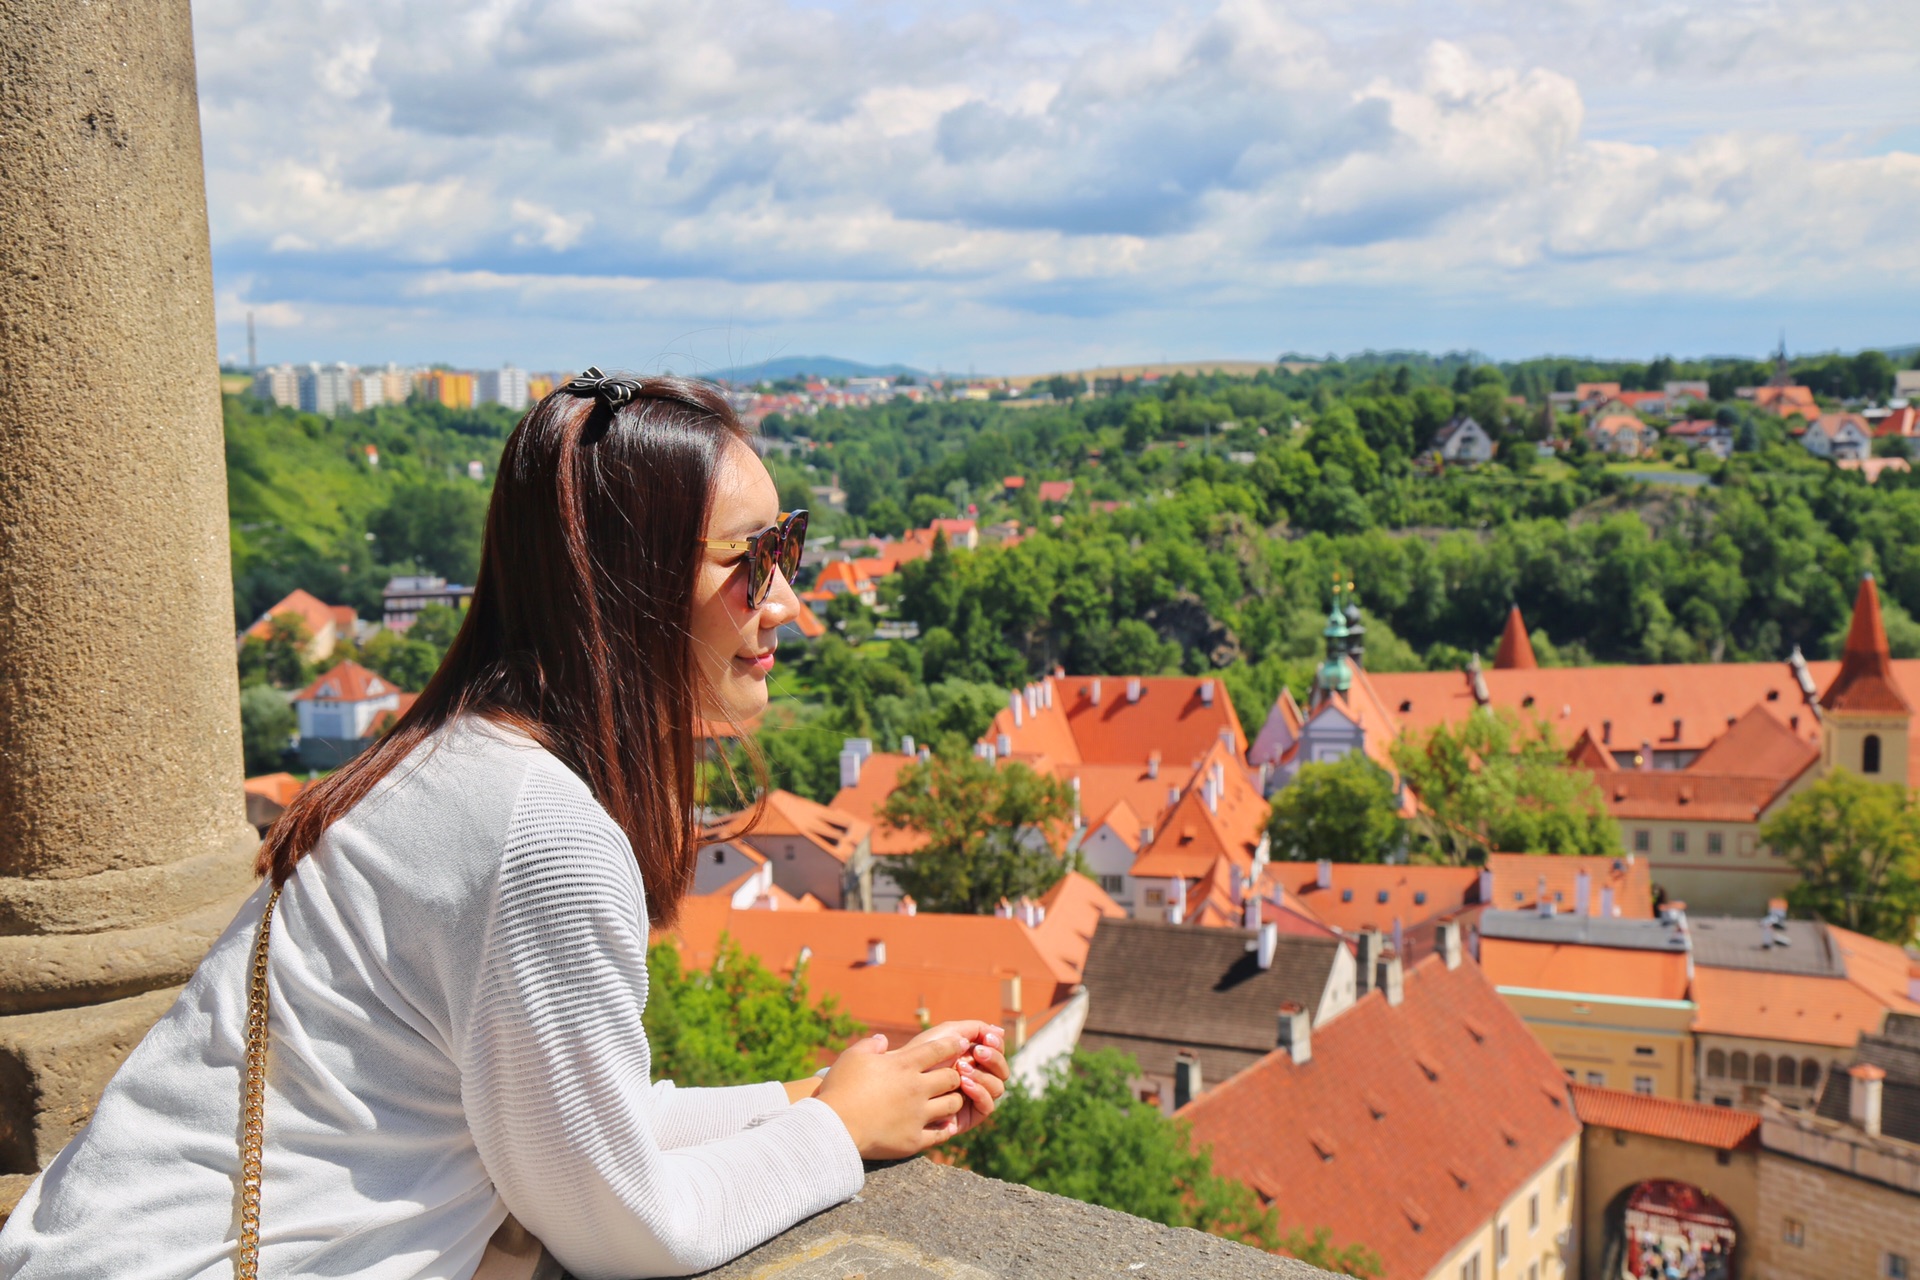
[1018, 188]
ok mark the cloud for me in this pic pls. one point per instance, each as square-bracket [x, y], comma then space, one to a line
[867, 170]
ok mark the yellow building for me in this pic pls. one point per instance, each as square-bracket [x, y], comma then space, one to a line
[441, 386]
[1607, 997]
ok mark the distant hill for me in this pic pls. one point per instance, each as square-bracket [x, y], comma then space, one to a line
[818, 366]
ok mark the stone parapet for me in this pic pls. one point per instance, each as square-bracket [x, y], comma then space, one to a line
[918, 1220]
[1841, 1147]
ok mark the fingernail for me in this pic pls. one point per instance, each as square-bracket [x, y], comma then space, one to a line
[982, 1052]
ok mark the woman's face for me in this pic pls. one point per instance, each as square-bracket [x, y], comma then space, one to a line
[732, 644]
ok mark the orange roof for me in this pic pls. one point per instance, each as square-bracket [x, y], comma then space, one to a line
[809, 623]
[1517, 876]
[1171, 716]
[1698, 1123]
[1787, 401]
[311, 611]
[1793, 1007]
[1122, 795]
[1586, 970]
[1682, 795]
[1408, 1127]
[1014, 482]
[1904, 421]
[836, 831]
[952, 966]
[1074, 909]
[348, 682]
[1865, 681]
[1353, 900]
[879, 775]
[854, 575]
[1588, 390]
[1056, 490]
[1195, 832]
[1881, 969]
[280, 788]
[1516, 648]
[1757, 746]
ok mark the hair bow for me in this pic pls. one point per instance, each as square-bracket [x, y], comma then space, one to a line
[614, 392]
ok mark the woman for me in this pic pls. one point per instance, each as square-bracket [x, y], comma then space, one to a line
[456, 964]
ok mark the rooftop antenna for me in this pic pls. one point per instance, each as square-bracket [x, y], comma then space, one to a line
[253, 357]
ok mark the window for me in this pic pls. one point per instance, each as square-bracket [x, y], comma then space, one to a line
[1739, 1064]
[1562, 1183]
[1113, 884]
[1381, 897]
[1870, 763]
[1717, 1062]
[1572, 1074]
[1533, 1212]
[1643, 1051]
[1642, 841]
[1643, 1085]
[1677, 842]
[1716, 843]
[720, 854]
[1420, 898]
[1470, 1269]
[1787, 1071]
[1156, 897]
[1895, 1267]
[1794, 1232]
[1346, 895]
[1809, 1074]
[1723, 1102]
[1598, 1078]
[1500, 1245]
[1744, 844]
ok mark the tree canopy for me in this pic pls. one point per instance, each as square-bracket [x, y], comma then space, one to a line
[736, 1023]
[1344, 811]
[1856, 846]
[992, 833]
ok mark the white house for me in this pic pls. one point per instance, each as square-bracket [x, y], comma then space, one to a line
[338, 712]
[1463, 440]
[1844, 437]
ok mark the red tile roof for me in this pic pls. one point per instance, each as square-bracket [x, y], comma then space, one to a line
[1865, 681]
[1517, 877]
[1194, 832]
[1805, 1008]
[1787, 401]
[1668, 795]
[1406, 1130]
[311, 610]
[1074, 909]
[1516, 648]
[1056, 490]
[1352, 902]
[835, 831]
[348, 682]
[1757, 746]
[879, 775]
[1594, 971]
[1698, 1123]
[1171, 716]
[1904, 421]
[280, 788]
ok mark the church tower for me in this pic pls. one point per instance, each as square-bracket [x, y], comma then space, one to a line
[1516, 648]
[1864, 715]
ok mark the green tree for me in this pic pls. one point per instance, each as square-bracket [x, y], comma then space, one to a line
[280, 659]
[266, 728]
[1497, 784]
[736, 1023]
[401, 658]
[990, 833]
[437, 625]
[1344, 811]
[1856, 845]
[437, 526]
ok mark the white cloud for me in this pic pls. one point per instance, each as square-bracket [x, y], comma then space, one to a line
[766, 166]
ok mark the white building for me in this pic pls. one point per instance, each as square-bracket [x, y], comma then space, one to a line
[327, 389]
[504, 386]
[280, 384]
[344, 704]
[1844, 437]
[369, 391]
[1463, 440]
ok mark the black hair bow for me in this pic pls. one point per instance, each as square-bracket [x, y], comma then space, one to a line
[613, 392]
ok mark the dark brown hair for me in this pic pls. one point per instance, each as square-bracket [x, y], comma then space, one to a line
[579, 631]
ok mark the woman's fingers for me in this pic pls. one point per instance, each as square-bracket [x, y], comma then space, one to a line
[947, 1104]
[928, 1054]
[989, 1060]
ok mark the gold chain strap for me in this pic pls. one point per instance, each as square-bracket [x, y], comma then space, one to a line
[246, 1263]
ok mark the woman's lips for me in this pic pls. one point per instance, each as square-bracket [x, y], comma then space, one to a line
[762, 663]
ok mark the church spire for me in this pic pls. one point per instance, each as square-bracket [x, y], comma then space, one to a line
[1865, 681]
[1516, 649]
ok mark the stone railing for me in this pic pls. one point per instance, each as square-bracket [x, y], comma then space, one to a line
[921, 1221]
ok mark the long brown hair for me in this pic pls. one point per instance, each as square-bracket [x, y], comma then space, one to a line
[579, 630]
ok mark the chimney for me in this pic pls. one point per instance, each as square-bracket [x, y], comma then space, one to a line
[1176, 900]
[1133, 688]
[1074, 784]
[849, 769]
[1093, 693]
[1186, 1078]
[1392, 977]
[1014, 704]
[1173, 796]
[876, 951]
[908, 906]
[1269, 941]
[1607, 908]
[1486, 886]
[1582, 893]
[1010, 993]
[1046, 695]
[1004, 911]
[1323, 874]
[1295, 1033]
[1153, 763]
[1210, 792]
[1646, 756]
[1206, 693]
[1250, 910]
[1399, 935]
[1366, 956]
[1863, 1096]
[1447, 943]
[906, 744]
[1003, 745]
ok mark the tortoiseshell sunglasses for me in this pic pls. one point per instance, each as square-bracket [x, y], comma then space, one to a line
[775, 547]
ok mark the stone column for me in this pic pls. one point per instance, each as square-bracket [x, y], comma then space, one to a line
[123, 838]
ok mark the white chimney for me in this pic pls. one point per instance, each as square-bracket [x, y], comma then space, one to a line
[1153, 763]
[1015, 704]
[1367, 951]
[1323, 874]
[926, 753]
[1392, 977]
[1046, 693]
[1295, 1033]
[908, 907]
[906, 744]
[1074, 784]
[1206, 693]
[1133, 688]
[1606, 902]
[876, 951]
[1210, 792]
[1863, 1096]
[806, 954]
[1582, 893]
[1004, 911]
[1186, 1078]
[1093, 693]
[1447, 943]
[1004, 745]
[1250, 913]
[1269, 939]
[1399, 935]
[1176, 901]
[1173, 796]
[1486, 886]
[849, 768]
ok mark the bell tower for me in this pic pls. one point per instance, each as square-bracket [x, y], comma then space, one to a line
[1864, 715]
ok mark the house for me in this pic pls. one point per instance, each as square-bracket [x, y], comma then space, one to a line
[268, 796]
[1874, 468]
[1622, 435]
[1194, 1007]
[1463, 440]
[857, 578]
[1902, 420]
[1704, 433]
[867, 778]
[1056, 491]
[803, 628]
[1607, 997]
[1786, 401]
[341, 713]
[1839, 436]
[402, 599]
[326, 624]
[814, 850]
[1424, 1123]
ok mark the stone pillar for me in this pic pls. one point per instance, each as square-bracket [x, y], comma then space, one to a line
[123, 838]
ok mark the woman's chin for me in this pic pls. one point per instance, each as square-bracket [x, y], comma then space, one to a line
[741, 699]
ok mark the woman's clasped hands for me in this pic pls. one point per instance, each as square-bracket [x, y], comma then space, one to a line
[899, 1102]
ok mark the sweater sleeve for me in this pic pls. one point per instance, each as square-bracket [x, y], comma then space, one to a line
[686, 1117]
[555, 1066]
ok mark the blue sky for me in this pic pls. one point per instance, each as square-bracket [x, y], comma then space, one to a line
[1016, 188]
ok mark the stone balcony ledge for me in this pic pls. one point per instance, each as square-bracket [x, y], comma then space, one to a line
[918, 1220]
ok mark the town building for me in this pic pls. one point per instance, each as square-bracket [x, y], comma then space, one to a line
[1194, 1007]
[1424, 1123]
[327, 389]
[1843, 437]
[1714, 437]
[445, 387]
[342, 712]
[1463, 440]
[1623, 435]
[813, 850]
[505, 386]
[404, 597]
[268, 796]
[326, 624]
[279, 384]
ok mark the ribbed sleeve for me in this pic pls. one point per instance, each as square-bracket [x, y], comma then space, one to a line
[619, 1178]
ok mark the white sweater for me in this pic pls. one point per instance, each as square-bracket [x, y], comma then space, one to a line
[457, 976]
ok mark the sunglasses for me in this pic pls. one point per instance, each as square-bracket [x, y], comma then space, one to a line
[775, 547]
